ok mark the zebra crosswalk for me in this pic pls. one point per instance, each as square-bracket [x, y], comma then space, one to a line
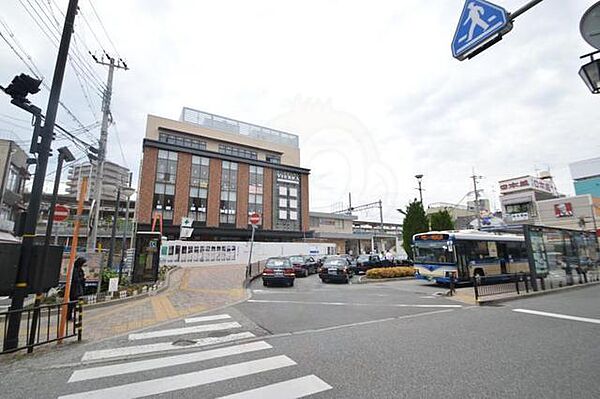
[126, 378]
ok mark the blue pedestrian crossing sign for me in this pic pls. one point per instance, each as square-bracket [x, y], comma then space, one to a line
[479, 23]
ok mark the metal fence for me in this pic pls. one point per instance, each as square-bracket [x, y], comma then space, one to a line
[501, 284]
[48, 325]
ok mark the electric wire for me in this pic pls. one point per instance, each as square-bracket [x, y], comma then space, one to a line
[104, 29]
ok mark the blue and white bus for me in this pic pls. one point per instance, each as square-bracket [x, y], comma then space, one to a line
[439, 255]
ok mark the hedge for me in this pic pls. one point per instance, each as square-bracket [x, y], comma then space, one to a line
[390, 272]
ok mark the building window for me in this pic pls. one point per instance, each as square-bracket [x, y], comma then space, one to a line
[181, 140]
[198, 201]
[286, 200]
[164, 187]
[272, 158]
[228, 192]
[517, 208]
[237, 151]
[14, 182]
[255, 190]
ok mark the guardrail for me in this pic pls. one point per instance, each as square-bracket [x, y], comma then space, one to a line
[48, 325]
[501, 284]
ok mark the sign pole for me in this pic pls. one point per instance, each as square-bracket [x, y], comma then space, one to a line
[63, 313]
[249, 268]
[39, 295]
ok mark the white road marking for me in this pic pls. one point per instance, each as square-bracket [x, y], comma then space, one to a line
[291, 389]
[207, 318]
[398, 305]
[161, 362]
[558, 316]
[184, 331]
[160, 347]
[184, 381]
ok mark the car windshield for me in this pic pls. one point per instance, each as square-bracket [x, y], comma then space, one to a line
[296, 259]
[433, 252]
[363, 258]
[277, 263]
[336, 262]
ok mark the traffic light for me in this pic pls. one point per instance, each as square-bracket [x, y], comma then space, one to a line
[21, 86]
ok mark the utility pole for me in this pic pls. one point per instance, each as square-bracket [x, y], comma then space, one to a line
[113, 234]
[381, 215]
[477, 207]
[349, 204]
[119, 64]
[128, 194]
[47, 133]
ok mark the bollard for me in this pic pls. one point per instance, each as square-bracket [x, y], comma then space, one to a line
[79, 320]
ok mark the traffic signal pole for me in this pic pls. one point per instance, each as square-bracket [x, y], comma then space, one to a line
[21, 287]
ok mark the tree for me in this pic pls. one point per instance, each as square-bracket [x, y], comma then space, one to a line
[441, 220]
[415, 222]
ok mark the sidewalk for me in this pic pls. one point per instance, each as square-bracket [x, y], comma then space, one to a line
[191, 290]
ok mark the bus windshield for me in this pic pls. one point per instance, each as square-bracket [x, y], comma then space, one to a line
[432, 252]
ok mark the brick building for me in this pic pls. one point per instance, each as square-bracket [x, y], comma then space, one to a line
[217, 171]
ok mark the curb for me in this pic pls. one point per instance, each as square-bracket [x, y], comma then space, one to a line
[537, 293]
[247, 281]
[364, 280]
[163, 287]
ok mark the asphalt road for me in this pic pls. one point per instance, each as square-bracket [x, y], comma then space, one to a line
[383, 340]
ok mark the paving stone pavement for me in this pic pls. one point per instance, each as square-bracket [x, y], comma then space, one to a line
[191, 291]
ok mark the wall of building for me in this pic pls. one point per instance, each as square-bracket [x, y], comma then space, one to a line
[588, 186]
[576, 213]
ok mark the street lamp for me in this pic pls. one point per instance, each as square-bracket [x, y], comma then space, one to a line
[590, 73]
[419, 179]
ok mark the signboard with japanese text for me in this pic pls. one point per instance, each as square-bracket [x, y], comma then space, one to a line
[527, 183]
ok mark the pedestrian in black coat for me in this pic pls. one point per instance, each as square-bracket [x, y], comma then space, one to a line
[77, 284]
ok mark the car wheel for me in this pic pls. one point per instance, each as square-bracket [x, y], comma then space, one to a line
[265, 284]
[324, 280]
[292, 283]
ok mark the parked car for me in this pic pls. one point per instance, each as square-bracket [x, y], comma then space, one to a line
[303, 265]
[336, 268]
[278, 271]
[366, 262]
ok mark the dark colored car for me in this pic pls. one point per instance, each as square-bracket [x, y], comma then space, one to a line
[278, 271]
[366, 262]
[336, 268]
[303, 265]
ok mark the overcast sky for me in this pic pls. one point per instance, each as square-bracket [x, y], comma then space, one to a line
[371, 88]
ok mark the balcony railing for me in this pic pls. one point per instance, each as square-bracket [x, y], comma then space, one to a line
[228, 125]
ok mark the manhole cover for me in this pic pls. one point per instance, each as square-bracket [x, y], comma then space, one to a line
[184, 342]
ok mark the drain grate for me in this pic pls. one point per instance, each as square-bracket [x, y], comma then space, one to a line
[184, 342]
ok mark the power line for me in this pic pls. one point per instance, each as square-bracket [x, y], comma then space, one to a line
[37, 72]
[104, 29]
[118, 136]
[49, 38]
[76, 60]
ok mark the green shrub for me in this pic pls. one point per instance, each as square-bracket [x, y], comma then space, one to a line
[390, 272]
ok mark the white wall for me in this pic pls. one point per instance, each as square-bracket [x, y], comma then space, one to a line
[208, 253]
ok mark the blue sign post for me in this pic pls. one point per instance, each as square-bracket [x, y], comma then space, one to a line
[480, 23]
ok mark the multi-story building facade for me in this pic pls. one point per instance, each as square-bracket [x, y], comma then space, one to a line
[217, 171]
[586, 177]
[114, 176]
[13, 174]
[519, 196]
